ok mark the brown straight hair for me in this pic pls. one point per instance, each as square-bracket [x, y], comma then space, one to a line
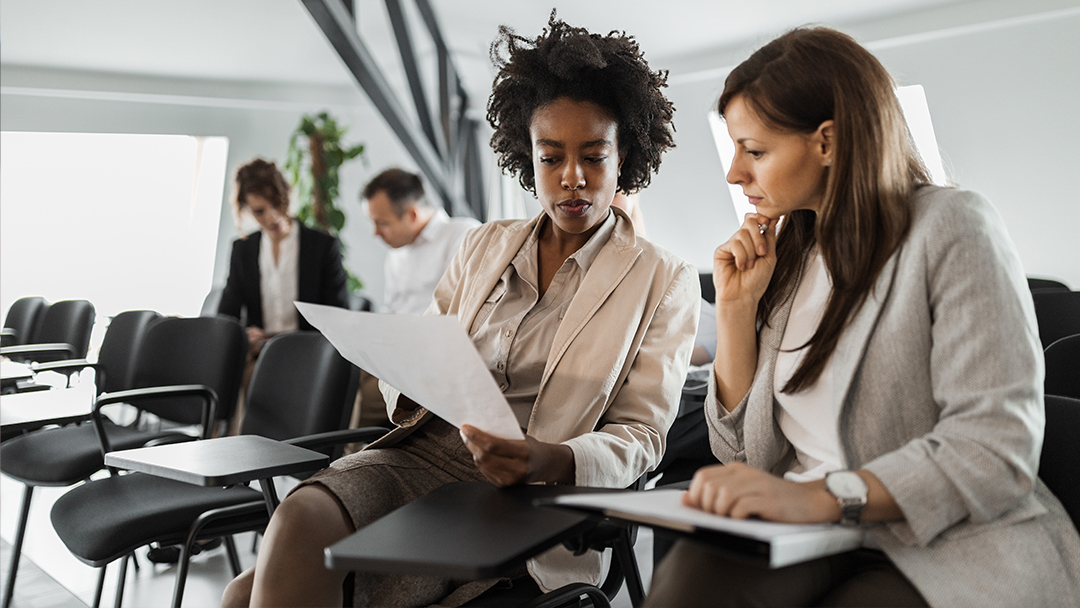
[795, 83]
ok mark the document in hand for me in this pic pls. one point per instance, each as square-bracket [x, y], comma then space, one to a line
[773, 544]
[429, 359]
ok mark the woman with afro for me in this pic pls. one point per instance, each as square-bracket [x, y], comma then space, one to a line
[586, 328]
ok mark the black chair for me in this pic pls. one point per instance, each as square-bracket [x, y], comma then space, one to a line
[708, 290]
[1060, 463]
[63, 333]
[21, 319]
[1058, 314]
[1046, 285]
[1063, 367]
[170, 352]
[300, 385]
[115, 366]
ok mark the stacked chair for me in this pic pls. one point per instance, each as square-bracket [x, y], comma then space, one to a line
[300, 385]
[60, 331]
[163, 358]
[21, 319]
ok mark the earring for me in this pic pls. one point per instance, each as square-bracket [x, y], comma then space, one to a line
[828, 161]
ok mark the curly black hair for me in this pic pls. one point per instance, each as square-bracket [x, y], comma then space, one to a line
[565, 61]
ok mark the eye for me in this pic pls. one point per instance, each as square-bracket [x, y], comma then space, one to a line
[548, 160]
[595, 159]
[755, 154]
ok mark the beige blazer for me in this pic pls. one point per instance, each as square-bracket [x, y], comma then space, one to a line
[939, 387]
[611, 386]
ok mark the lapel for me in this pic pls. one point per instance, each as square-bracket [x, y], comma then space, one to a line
[852, 343]
[607, 271]
[765, 452]
[306, 285]
[497, 257]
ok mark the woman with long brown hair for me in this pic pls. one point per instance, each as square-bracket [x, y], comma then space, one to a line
[877, 363]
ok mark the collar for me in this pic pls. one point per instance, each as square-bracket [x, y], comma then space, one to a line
[434, 226]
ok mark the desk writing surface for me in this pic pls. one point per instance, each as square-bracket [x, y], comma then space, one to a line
[467, 530]
[28, 411]
[219, 462]
[13, 370]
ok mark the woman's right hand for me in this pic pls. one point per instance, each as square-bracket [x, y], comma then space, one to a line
[743, 266]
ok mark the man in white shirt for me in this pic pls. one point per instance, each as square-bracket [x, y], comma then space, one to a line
[423, 238]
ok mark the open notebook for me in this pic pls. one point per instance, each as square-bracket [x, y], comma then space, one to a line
[772, 544]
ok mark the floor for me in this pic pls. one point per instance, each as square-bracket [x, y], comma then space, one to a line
[50, 577]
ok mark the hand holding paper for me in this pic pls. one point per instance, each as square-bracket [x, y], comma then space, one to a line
[430, 359]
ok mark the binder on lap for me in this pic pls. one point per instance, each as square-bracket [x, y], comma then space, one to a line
[770, 544]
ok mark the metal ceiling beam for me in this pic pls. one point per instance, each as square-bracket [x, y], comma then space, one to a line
[334, 20]
[412, 70]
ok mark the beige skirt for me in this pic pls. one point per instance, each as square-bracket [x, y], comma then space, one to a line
[372, 483]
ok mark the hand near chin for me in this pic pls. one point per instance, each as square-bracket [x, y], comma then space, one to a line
[740, 492]
[743, 266]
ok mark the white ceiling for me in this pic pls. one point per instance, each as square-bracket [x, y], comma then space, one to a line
[277, 41]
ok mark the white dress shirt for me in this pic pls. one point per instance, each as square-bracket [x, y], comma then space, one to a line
[413, 271]
[279, 282]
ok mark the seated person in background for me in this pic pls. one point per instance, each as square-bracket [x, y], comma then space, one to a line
[270, 269]
[586, 328]
[877, 361]
[422, 237]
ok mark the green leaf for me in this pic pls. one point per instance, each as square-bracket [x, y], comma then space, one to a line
[336, 219]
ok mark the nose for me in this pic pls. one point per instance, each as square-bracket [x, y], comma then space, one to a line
[573, 178]
[736, 175]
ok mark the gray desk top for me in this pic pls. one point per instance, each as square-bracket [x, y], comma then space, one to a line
[28, 411]
[219, 462]
[464, 531]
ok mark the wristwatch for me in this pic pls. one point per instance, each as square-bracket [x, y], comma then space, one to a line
[850, 492]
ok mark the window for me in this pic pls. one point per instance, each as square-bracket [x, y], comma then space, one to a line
[125, 221]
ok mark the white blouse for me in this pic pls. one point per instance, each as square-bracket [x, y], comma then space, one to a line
[809, 419]
[279, 282]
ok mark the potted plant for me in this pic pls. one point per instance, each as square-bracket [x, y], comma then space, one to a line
[315, 155]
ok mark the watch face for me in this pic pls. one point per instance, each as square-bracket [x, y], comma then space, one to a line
[846, 484]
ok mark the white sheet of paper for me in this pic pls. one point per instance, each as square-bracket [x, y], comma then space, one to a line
[429, 359]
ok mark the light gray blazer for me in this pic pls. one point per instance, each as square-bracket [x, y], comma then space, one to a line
[939, 387]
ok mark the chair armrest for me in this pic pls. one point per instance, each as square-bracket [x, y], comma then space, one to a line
[8, 331]
[29, 349]
[66, 364]
[332, 438]
[207, 394]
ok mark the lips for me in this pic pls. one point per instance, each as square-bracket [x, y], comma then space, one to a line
[754, 200]
[575, 208]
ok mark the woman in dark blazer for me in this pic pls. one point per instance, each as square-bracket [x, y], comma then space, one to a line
[262, 191]
[276, 266]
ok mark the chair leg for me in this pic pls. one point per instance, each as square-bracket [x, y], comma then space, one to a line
[234, 557]
[181, 575]
[100, 587]
[16, 550]
[624, 552]
[120, 583]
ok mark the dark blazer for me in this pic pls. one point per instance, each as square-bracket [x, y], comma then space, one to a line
[322, 277]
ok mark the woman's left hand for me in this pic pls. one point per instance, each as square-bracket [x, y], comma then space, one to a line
[740, 491]
[506, 462]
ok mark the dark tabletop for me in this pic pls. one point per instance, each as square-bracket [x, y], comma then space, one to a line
[467, 530]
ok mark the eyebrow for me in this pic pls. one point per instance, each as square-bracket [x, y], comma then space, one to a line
[560, 145]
